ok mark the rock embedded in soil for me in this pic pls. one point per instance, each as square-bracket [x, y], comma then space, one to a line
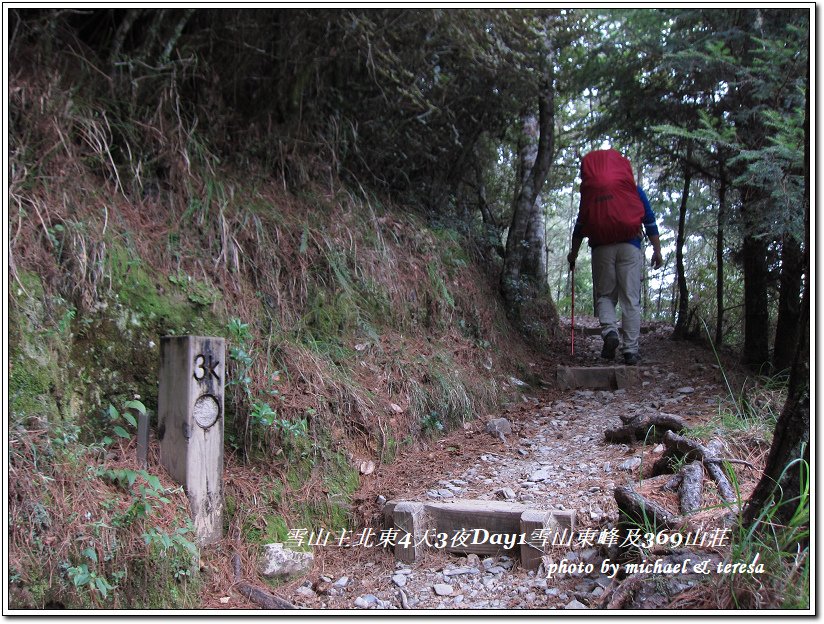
[459, 571]
[499, 427]
[631, 464]
[443, 589]
[278, 561]
[505, 494]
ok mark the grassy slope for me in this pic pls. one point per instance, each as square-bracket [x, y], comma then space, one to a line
[355, 329]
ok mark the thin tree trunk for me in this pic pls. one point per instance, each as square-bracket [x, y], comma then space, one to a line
[792, 431]
[673, 301]
[120, 34]
[719, 261]
[658, 305]
[683, 294]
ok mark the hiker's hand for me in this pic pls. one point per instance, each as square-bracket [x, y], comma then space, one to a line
[657, 260]
[571, 259]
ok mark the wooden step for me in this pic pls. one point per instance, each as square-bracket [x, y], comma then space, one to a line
[497, 528]
[596, 377]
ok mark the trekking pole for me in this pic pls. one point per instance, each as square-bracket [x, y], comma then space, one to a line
[573, 309]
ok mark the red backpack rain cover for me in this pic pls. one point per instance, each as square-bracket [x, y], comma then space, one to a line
[611, 210]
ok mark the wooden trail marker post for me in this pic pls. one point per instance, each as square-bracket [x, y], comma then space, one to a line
[190, 425]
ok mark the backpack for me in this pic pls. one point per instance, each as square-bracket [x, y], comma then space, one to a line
[611, 210]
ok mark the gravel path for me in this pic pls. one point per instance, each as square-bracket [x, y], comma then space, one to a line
[554, 458]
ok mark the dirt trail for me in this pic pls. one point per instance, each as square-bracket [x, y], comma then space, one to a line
[555, 458]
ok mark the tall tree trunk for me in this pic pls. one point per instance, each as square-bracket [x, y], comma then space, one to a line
[719, 260]
[521, 277]
[756, 282]
[792, 431]
[683, 293]
[533, 261]
[789, 304]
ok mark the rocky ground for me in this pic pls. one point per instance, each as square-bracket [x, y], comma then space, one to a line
[554, 458]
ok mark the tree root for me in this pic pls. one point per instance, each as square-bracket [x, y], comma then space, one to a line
[644, 511]
[645, 590]
[692, 486]
[694, 450]
[645, 427]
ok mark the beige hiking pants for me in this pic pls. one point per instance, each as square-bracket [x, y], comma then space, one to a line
[616, 278]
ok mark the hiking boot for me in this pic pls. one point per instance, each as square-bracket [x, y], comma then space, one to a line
[631, 359]
[610, 345]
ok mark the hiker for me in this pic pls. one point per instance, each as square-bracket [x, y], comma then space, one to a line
[612, 210]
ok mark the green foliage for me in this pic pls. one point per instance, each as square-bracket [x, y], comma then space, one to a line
[88, 580]
[256, 420]
[783, 549]
[431, 424]
[119, 417]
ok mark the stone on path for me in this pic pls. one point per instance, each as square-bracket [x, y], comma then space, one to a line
[366, 601]
[631, 464]
[442, 589]
[499, 427]
[540, 475]
[505, 494]
[305, 591]
[459, 571]
[575, 605]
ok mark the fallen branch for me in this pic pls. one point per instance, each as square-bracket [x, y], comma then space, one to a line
[263, 598]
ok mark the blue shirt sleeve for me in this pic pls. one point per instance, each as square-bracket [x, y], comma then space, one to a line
[650, 226]
[576, 231]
